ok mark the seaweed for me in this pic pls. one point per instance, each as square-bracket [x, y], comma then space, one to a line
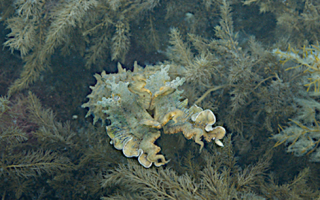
[301, 135]
[224, 52]
[20, 161]
[219, 178]
[41, 156]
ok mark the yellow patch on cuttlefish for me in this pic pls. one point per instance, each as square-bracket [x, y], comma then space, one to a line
[216, 134]
[151, 123]
[163, 91]
[204, 118]
[137, 87]
[131, 148]
[194, 110]
[119, 137]
[173, 115]
[119, 142]
[111, 131]
[143, 160]
[183, 104]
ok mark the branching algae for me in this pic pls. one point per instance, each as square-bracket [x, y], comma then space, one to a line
[302, 136]
[143, 104]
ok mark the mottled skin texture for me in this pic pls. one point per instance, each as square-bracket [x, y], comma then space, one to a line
[143, 104]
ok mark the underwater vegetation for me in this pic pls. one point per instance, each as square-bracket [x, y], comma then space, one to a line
[219, 177]
[43, 158]
[302, 135]
[171, 77]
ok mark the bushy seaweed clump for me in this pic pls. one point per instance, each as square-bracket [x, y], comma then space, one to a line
[219, 177]
[43, 158]
[302, 135]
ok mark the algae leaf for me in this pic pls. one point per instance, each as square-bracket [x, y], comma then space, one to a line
[34, 163]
